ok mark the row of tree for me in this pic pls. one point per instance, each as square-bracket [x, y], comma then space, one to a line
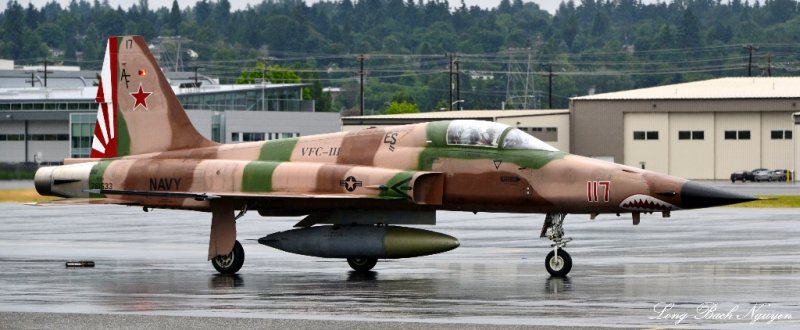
[421, 51]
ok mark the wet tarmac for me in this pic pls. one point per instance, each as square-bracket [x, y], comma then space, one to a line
[714, 268]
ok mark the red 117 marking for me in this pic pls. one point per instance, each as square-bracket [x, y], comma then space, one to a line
[592, 191]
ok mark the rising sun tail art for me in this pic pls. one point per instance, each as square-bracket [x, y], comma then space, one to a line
[355, 189]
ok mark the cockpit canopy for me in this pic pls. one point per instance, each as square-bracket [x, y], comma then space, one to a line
[492, 135]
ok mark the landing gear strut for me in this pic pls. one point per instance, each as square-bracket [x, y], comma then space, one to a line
[558, 262]
[223, 236]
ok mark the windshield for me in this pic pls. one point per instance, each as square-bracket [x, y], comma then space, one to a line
[475, 133]
[516, 139]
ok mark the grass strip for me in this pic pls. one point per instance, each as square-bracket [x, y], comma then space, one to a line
[26, 195]
[772, 201]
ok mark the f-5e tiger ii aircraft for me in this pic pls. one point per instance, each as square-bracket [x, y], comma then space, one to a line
[353, 187]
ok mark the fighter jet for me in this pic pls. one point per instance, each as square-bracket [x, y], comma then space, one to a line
[354, 188]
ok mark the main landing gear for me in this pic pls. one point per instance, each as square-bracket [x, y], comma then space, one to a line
[362, 264]
[223, 236]
[558, 262]
[230, 263]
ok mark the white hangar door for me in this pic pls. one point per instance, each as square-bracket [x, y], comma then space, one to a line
[738, 146]
[646, 141]
[691, 145]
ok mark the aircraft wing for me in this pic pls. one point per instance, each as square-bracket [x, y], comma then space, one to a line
[207, 196]
[333, 208]
[258, 197]
[83, 201]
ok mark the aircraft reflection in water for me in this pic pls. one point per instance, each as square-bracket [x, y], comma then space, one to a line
[354, 187]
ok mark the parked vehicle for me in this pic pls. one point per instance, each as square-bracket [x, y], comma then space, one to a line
[779, 175]
[761, 174]
[740, 176]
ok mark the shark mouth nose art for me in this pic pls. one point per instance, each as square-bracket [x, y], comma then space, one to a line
[645, 203]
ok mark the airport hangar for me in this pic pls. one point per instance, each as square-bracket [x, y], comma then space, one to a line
[697, 130]
[47, 124]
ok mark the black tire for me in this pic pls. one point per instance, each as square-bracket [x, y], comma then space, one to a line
[558, 266]
[231, 263]
[362, 264]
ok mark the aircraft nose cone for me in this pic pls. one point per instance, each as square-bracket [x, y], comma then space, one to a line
[696, 195]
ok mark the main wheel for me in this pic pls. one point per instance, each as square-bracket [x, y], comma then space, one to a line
[559, 265]
[231, 263]
[362, 264]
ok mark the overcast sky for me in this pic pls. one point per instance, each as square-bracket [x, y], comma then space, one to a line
[549, 5]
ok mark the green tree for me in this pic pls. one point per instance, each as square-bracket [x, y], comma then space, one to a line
[780, 11]
[175, 17]
[441, 105]
[275, 74]
[13, 30]
[401, 107]
[690, 30]
[33, 48]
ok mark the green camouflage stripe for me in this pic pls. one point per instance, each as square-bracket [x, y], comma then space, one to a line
[398, 185]
[96, 176]
[123, 137]
[257, 176]
[437, 132]
[278, 150]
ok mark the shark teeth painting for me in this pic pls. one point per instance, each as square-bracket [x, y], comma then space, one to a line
[644, 203]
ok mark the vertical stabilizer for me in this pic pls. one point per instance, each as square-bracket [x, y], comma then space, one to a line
[137, 110]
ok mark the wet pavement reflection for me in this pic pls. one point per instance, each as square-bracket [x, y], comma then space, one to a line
[154, 263]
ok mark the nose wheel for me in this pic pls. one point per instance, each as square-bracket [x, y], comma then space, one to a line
[558, 262]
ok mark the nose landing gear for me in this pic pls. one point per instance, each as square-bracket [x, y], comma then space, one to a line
[558, 262]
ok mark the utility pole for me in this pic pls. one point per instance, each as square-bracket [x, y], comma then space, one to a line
[264, 66]
[33, 77]
[195, 68]
[750, 49]
[361, 77]
[45, 72]
[550, 88]
[769, 65]
[450, 76]
[458, 87]
[263, 80]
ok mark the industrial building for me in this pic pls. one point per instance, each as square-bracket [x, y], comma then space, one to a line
[551, 126]
[47, 124]
[697, 130]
